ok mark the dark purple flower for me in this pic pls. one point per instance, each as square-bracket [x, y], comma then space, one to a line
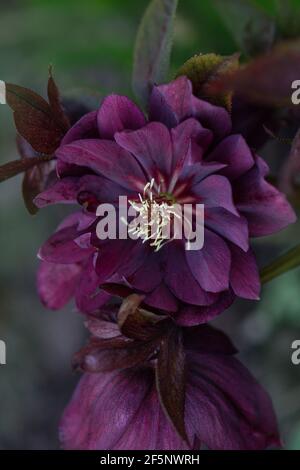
[116, 405]
[185, 150]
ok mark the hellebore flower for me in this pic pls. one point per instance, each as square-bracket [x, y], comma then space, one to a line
[184, 154]
[153, 385]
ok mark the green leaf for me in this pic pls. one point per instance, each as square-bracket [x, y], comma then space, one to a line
[281, 265]
[203, 69]
[252, 29]
[153, 47]
[288, 18]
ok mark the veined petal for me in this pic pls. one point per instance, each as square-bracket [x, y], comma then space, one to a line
[151, 146]
[211, 265]
[118, 113]
[105, 158]
[235, 153]
[57, 283]
[229, 226]
[215, 191]
[244, 274]
[226, 407]
[266, 209]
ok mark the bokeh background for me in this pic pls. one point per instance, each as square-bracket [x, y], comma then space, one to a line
[90, 44]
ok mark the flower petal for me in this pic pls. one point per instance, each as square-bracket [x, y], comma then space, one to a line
[229, 226]
[191, 315]
[206, 339]
[151, 146]
[107, 410]
[212, 117]
[178, 95]
[244, 274]
[162, 299]
[63, 191]
[85, 128]
[180, 279]
[88, 295]
[266, 209]
[159, 110]
[235, 153]
[106, 158]
[118, 113]
[57, 283]
[211, 265]
[226, 407]
[61, 248]
[189, 131]
[215, 191]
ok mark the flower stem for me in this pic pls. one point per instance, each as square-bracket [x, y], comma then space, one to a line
[281, 265]
[10, 169]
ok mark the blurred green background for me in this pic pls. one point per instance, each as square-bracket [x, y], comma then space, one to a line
[90, 44]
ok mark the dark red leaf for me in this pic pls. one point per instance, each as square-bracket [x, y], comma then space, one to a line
[40, 123]
[170, 379]
[266, 80]
[108, 355]
[35, 178]
[138, 323]
[55, 102]
[10, 169]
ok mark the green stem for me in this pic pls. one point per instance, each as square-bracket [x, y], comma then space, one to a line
[281, 265]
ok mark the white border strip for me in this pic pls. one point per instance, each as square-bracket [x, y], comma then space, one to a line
[2, 92]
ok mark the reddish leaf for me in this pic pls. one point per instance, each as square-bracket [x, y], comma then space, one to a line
[266, 80]
[55, 102]
[41, 124]
[35, 178]
[170, 378]
[108, 355]
[10, 169]
[138, 323]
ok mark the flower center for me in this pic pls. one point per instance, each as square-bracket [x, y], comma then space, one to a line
[156, 212]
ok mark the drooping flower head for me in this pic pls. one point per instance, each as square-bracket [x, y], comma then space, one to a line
[149, 384]
[182, 153]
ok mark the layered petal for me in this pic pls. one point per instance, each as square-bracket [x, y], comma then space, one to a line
[116, 114]
[266, 209]
[151, 146]
[235, 153]
[105, 158]
[211, 265]
[107, 410]
[57, 283]
[88, 296]
[244, 274]
[226, 407]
